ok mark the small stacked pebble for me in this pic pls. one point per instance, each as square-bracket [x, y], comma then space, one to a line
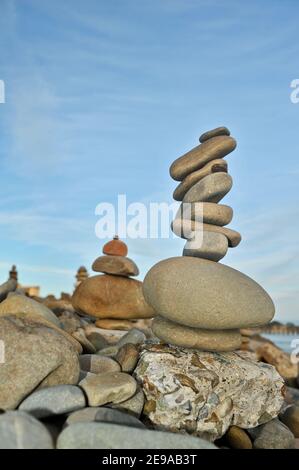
[112, 297]
[201, 303]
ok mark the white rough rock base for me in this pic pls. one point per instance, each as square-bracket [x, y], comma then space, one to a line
[204, 393]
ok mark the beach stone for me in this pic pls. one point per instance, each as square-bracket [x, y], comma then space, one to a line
[133, 405]
[214, 133]
[290, 417]
[127, 356]
[214, 148]
[271, 354]
[182, 289]
[111, 387]
[134, 336]
[115, 247]
[272, 435]
[119, 265]
[7, 287]
[84, 415]
[232, 236]
[19, 430]
[56, 400]
[110, 351]
[208, 340]
[237, 438]
[83, 374]
[115, 436]
[112, 336]
[115, 324]
[205, 393]
[107, 296]
[80, 336]
[98, 364]
[207, 212]
[189, 228]
[95, 337]
[34, 317]
[214, 246]
[110, 415]
[35, 357]
[214, 166]
[103, 414]
[20, 304]
[70, 321]
[292, 396]
[211, 188]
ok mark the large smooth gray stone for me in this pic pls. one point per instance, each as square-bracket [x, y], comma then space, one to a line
[56, 400]
[200, 293]
[113, 436]
[19, 430]
[103, 414]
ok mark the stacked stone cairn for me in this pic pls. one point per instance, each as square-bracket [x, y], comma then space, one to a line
[113, 297]
[201, 303]
[81, 275]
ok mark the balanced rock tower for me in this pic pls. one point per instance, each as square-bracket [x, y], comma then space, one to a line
[201, 303]
[112, 297]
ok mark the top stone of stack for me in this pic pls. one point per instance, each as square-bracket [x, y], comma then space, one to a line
[213, 133]
[215, 146]
[115, 247]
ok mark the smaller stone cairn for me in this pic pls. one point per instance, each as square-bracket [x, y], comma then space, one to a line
[112, 297]
[81, 275]
[13, 273]
[201, 303]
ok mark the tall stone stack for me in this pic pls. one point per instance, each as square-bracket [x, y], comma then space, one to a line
[201, 303]
[205, 182]
[112, 297]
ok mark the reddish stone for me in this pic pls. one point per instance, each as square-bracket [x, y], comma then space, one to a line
[115, 247]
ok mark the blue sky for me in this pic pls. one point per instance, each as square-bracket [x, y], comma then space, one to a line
[101, 97]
